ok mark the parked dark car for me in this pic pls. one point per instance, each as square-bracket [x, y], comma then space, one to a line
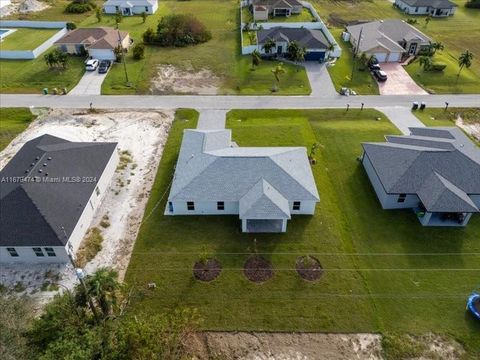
[374, 67]
[380, 75]
[103, 67]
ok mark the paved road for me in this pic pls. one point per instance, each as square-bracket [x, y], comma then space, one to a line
[401, 117]
[89, 84]
[231, 102]
[320, 81]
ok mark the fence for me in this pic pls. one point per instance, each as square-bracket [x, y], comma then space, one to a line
[313, 25]
[32, 54]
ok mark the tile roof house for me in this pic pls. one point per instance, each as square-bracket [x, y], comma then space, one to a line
[100, 43]
[434, 8]
[49, 193]
[262, 9]
[387, 40]
[314, 41]
[264, 186]
[434, 171]
[130, 7]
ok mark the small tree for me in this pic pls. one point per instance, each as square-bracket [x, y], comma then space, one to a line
[99, 14]
[252, 37]
[269, 45]
[138, 51]
[118, 18]
[277, 71]
[465, 60]
[144, 17]
[363, 60]
[118, 51]
[427, 20]
[295, 52]
[256, 59]
[426, 62]
[149, 36]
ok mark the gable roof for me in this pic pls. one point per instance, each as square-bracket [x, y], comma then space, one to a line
[307, 38]
[262, 201]
[93, 38]
[436, 4]
[34, 211]
[386, 33]
[440, 165]
[278, 4]
[211, 168]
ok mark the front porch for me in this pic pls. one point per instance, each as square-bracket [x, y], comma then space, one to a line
[427, 218]
[264, 226]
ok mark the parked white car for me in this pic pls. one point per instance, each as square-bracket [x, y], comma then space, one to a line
[91, 65]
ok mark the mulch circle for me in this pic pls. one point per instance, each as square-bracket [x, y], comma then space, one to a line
[309, 268]
[257, 269]
[208, 270]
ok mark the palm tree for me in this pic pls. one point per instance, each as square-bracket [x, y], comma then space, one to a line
[465, 60]
[277, 71]
[269, 45]
[427, 20]
[256, 59]
[433, 47]
[295, 52]
[105, 288]
[426, 62]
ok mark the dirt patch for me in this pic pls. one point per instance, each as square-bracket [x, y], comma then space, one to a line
[257, 269]
[308, 268]
[172, 80]
[285, 346]
[141, 136]
[471, 127]
[23, 7]
[207, 270]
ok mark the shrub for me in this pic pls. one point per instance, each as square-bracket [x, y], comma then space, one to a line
[79, 8]
[71, 26]
[90, 246]
[181, 30]
[148, 36]
[473, 4]
[138, 51]
[437, 67]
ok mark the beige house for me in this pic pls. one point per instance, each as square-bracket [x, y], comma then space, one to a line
[262, 9]
[99, 43]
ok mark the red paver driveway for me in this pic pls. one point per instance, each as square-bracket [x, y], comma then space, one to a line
[398, 82]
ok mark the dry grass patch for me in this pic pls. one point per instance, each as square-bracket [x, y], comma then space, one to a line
[90, 246]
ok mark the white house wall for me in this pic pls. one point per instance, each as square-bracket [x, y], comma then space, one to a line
[422, 10]
[26, 255]
[388, 201]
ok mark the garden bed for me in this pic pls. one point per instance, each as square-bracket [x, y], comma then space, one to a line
[257, 269]
[309, 268]
[207, 270]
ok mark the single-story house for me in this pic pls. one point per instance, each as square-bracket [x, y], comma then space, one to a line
[262, 9]
[434, 8]
[434, 171]
[387, 40]
[314, 41]
[130, 7]
[49, 193]
[100, 43]
[264, 186]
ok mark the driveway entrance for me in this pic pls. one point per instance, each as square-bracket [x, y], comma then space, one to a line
[89, 84]
[399, 82]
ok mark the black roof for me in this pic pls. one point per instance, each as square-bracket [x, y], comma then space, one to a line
[310, 39]
[34, 210]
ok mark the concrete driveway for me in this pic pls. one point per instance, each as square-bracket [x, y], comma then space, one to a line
[320, 81]
[399, 81]
[89, 84]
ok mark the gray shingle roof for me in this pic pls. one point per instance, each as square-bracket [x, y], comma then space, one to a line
[210, 168]
[436, 4]
[32, 213]
[280, 4]
[386, 34]
[262, 201]
[307, 38]
[93, 38]
[440, 165]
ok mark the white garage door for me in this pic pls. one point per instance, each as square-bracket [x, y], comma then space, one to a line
[101, 54]
[381, 57]
[394, 57]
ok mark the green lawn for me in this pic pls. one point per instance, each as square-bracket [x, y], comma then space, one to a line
[27, 39]
[442, 117]
[31, 76]
[341, 73]
[13, 121]
[350, 234]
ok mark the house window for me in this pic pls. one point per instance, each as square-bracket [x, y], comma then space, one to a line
[38, 252]
[416, 9]
[220, 205]
[97, 191]
[401, 198]
[190, 205]
[146, 8]
[170, 206]
[296, 205]
[117, 8]
[12, 252]
[50, 252]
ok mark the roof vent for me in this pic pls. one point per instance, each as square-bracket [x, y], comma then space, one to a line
[44, 164]
[40, 170]
[49, 158]
[46, 174]
[37, 158]
[32, 164]
[27, 171]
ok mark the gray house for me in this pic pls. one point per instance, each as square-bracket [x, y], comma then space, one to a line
[49, 193]
[264, 186]
[314, 41]
[434, 8]
[262, 9]
[434, 171]
[387, 40]
[130, 7]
